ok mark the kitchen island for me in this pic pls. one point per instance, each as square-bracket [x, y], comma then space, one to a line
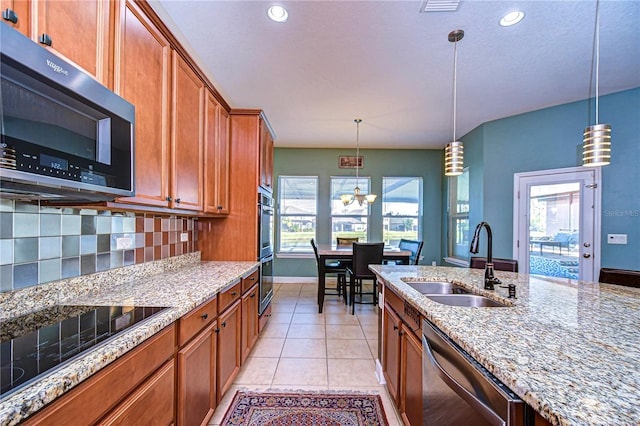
[569, 349]
[180, 283]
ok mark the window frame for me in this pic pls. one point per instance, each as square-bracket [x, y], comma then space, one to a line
[417, 218]
[281, 215]
[333, 215]
[454, 217]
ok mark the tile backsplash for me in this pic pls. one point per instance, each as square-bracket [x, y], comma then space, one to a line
[39, 244]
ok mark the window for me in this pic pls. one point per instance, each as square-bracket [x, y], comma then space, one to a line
[459, 216]
[298, 197]
[401, 201]
[348, 221]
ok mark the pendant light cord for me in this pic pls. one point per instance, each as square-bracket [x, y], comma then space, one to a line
[597, 55]
[455, 91]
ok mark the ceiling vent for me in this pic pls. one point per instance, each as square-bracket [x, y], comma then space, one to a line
[439, 6]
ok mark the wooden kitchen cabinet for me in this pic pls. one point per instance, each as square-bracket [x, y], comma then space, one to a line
[20, 10]
[216, 157]
[140, 378]
[244, 180]
[250, 301]
[266, 156]
[186, 137]
[78, 30]
[196, 364]
[229, 337]
[143, 66]
[402, 357]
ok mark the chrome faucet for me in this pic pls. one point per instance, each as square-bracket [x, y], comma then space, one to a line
[489, 279]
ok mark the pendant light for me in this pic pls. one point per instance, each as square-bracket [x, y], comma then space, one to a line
[454, 151]
[357, 196]
[596, 142]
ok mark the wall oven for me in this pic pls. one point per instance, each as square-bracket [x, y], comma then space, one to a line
[63, 134]
[265, 247]
[457, 390]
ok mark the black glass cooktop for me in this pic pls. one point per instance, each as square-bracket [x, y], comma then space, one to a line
[41, 341]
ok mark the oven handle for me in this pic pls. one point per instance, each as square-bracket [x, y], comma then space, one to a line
[470, 398]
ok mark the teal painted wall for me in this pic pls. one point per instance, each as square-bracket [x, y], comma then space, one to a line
[377, 163]
[549, 139]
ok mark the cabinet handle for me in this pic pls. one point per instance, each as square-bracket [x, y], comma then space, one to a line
[204, 316]
[217, 330]
[233, 293]
[395, 327]
[168, 198]
[10, 15]
[177, 200]
[253, 294]
[45, 39]
[224, 324]
[219, 207]
[400, 333]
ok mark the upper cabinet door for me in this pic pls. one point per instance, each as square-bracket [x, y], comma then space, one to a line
[187, 137]
[77, 30]
[266, 156]
[18, 11]
[216, 157]
[142, 77]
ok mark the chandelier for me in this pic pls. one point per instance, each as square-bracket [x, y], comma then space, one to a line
[357, 196]
[454, 151]
[596, 143]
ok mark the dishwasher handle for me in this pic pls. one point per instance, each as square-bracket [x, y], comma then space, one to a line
[436, 340]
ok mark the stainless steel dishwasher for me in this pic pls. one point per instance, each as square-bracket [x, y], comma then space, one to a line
[457, 390]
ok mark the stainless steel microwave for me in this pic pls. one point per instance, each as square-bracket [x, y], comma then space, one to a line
[64, 136]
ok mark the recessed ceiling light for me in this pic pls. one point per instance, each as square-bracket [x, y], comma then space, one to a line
[511, 18]
[278, 14]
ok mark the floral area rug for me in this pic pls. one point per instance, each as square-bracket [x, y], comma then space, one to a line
[304, 409]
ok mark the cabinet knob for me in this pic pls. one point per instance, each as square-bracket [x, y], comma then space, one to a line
[395, 327]
[253, 294]
[10, 15]
[219, 207]
[224, 324]
[45, 39]
[217, 330]
[233, 293]
[205, 316]
[177, 200]
[168, 198]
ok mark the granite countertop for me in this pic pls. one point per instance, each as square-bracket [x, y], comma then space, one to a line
[570, 349]
[181, 284]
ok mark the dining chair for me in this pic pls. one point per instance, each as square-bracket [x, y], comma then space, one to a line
[414, 246]
[333, 267]
[508, 265]
[346, 241]
[364, 254]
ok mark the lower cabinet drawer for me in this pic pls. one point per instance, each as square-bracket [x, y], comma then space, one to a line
[150, 404]
[191, 324]
[96, 396]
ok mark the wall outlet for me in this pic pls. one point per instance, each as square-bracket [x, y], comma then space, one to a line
[184, 237]
[616, 238]
[124, 243]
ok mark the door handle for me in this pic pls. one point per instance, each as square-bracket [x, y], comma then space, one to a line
[586, 255]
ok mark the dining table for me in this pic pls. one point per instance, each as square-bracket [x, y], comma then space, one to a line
[333, 252]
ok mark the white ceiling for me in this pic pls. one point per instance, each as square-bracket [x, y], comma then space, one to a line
[392, 66]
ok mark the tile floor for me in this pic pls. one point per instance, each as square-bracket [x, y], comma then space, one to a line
[301, 349]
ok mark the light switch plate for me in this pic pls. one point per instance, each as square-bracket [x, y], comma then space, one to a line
[616, 238]
[184, 237]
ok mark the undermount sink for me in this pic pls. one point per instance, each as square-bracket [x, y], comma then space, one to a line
[468, 300]
[433, 287]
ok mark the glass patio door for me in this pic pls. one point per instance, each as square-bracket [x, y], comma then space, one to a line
[556, 222]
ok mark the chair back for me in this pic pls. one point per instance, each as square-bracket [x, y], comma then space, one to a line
[508, 265]
[315, 250]
[345, 241]
[365, 254]
[415, 247]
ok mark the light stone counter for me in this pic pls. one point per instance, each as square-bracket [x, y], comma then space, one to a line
[181, 283]
[570, 349]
